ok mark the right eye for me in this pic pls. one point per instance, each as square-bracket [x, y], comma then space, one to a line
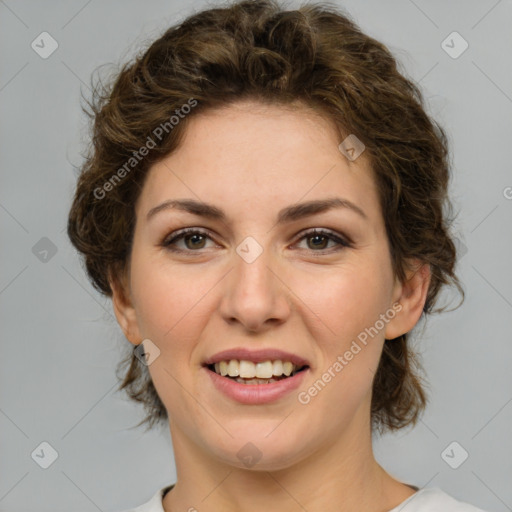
[193, 239]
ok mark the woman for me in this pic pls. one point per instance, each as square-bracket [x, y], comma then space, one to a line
[265, 203]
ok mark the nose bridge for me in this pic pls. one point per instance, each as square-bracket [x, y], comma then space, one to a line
[255, 294]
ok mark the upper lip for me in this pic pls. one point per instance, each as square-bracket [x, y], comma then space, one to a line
[256, 356]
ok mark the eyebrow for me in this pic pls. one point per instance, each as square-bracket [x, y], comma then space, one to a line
[288, 214]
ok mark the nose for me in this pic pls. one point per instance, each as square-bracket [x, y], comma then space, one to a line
[254, 295]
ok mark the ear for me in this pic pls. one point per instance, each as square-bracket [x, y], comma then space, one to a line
[123, 308]
[411, 295]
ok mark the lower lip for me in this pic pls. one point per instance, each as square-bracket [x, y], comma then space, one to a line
[254, 394]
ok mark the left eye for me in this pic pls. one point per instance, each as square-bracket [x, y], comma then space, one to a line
[318, 234]
[195, 239]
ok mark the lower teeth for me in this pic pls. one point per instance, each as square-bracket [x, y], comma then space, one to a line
[255, 381]
[241, 380]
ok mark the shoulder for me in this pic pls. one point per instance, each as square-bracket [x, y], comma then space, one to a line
[433, 499]
[428, 499]
[154, 504]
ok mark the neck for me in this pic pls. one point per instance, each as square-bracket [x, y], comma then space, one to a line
[341, 476]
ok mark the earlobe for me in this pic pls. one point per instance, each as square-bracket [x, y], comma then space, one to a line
[411, 295]
[124, 310]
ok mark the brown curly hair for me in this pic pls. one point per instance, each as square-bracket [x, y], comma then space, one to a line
[316, 55]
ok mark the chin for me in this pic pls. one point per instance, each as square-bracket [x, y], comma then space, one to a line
[259, 448]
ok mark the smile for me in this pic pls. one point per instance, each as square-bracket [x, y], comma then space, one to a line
[255, 377]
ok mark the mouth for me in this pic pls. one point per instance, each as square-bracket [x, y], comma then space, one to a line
[252, 373]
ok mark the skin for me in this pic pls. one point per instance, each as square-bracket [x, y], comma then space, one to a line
[308, 296]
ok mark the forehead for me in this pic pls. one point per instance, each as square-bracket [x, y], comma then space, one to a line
[259, 155]
[260, 134]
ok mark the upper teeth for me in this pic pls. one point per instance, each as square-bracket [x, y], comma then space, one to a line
[249, 370]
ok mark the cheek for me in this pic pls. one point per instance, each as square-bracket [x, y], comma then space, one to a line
[343, 309]
[344, 300]
[172, 312]
[169, 298]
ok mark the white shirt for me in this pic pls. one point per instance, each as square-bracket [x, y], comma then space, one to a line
[427, 499]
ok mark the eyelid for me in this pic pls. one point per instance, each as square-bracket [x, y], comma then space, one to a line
[180, 233]
[342, 240]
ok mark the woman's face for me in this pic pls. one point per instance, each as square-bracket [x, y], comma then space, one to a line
[259, 283]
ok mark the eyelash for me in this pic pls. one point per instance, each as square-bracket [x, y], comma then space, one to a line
[168, 242]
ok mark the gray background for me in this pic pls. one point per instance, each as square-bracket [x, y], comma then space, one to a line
[60, 342]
